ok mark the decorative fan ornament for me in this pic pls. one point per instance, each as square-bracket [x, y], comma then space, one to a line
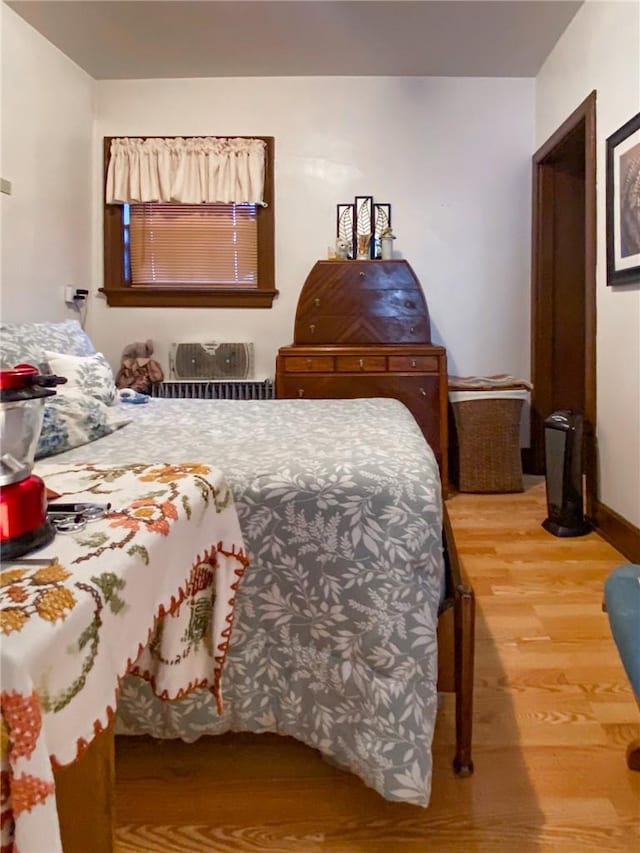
[383, 218]
[345, 227]
[364, 210]
[360, 226]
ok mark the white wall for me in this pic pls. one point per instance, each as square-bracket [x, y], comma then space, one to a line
[601, 50]
[47, 117]
[451, 155]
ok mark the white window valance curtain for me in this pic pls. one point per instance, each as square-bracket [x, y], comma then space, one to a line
[188, 170]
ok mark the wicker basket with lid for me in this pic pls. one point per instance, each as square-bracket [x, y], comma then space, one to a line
[487, 412]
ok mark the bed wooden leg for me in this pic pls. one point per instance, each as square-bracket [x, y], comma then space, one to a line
[463, 640]
[464, 633]
[633, 756]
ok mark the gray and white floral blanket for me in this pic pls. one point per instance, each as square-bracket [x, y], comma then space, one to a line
[334, 640]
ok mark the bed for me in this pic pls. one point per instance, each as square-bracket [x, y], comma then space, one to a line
[349, 590]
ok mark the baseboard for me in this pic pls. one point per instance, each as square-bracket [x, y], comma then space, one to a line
[624, 536]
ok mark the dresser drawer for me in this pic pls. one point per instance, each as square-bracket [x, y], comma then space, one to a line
[308, 364]
[374, 275]
[348, 301]
[410, 363]
[361, 330]
[361, 364]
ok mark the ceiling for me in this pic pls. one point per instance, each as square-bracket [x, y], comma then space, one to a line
[261, 38]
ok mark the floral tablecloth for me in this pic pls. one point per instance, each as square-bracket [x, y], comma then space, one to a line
[77, 622]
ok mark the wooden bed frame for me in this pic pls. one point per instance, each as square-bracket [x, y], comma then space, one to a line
[85, 789]
[456, 647]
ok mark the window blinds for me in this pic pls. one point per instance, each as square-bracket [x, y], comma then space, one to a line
[192, 245]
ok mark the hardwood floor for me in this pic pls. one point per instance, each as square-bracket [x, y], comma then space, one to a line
[553, 715]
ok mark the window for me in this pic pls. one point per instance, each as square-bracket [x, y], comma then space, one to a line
[195, 245]
[199, 255]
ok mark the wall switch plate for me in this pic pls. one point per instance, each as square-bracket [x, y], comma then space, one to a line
[5, 186]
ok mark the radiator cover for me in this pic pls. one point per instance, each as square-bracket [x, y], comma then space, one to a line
[180, 390]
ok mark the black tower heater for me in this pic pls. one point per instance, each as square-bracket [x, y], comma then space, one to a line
[563, 457]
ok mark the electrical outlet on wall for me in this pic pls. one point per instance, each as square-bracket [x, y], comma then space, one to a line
[69, 293]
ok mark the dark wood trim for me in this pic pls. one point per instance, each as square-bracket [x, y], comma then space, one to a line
[624, 536]
[176, 298]
[541, 310]
[591, 248]
[568, 125]
[540, 303]
[119, 292]
[266, 226]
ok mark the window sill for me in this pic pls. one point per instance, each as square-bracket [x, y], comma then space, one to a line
[130, 297]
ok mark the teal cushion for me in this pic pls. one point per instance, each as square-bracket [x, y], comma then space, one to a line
[622, 600]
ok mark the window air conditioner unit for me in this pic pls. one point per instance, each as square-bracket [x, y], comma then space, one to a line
[211, 360]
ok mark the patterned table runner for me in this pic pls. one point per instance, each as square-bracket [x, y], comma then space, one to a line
[72, 626]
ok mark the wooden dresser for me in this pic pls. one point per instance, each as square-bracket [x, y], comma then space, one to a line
[362, 329]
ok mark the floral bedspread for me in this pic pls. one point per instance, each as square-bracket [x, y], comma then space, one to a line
[75, 620]
[334, 639]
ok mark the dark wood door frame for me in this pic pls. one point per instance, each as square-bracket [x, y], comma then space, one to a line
[541, 291]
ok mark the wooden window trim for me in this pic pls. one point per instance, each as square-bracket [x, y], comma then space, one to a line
[119, 292]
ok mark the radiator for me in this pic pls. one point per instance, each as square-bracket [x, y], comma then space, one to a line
[214, 390]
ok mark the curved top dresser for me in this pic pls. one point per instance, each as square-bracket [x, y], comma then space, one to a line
[362, 302]
[362, 329]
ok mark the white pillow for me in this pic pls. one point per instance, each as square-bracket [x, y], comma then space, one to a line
[90, 374]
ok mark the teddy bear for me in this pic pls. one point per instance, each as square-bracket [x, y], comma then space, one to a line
[137, 369]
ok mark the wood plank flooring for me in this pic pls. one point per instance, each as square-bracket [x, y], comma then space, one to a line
[553, 715]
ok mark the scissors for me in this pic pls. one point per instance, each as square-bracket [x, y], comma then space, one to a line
[71, 517]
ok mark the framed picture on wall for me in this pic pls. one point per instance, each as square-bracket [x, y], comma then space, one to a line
[623, 204]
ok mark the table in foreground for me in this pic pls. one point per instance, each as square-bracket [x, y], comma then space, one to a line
[149, 588]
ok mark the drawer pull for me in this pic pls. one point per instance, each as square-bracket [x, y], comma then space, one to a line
[409, 304]
[300, 392]
[361, 364]
[312, 328]
[316, 302]
[309, 362]
[423, 392]
[413, 362]
[361, 274]
[412, 330]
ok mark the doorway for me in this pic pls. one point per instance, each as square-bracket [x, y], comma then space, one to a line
[563, 285]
